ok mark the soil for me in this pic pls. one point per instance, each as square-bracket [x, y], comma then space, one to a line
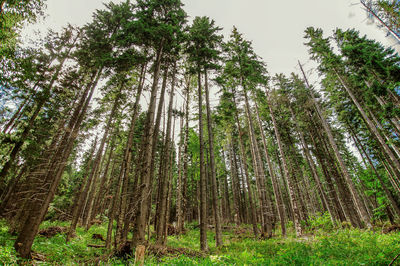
[52, 231]
[98, 236]
[392, 228]
[172, 230]
[37, 256]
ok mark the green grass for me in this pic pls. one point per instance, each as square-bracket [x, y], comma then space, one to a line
[55, 249]
[327, 246]
[344, 247]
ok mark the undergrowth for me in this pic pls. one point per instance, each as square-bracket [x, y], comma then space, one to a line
[323, 244]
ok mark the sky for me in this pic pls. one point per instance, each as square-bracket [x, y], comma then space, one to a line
[276, 28]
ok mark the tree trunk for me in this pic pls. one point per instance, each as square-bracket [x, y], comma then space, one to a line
[16, 114]
[40, 103]
[28, 232]
[179, 185]
[203, 181]
[124, 170]
[259, 172]
[293, 198]
[234, 184]
[215, 203]
[371, 126]
[253, 214]
[182, 213]
[96, 168]
[357, 200]
[104, 180]
[363, 154]
[226, 193]
[79, 202]
[278, 200]
[165, 161]
[147, 147]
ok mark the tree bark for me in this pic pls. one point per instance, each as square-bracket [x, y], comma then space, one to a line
[147, 147]
[259, 172]
[203, 181]
[278, 200]
[357, 200]
[165, 161]
[293, 198]
[370, 124]
[363, 154]
[215, 203]
[24, 242]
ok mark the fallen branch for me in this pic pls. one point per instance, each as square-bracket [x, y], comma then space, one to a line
[37, 256]
[390, 264]
[96, 246]
[52, 231]
[63, 213]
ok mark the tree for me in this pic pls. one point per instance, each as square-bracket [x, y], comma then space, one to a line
[203, 52]
[12, 16]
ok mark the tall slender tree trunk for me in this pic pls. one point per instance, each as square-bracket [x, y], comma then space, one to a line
[20, 110]
[259, 172]
[24, 242]
[147, 147]
[165, 162]
[235, 189]
[278, 200]
[293, 198]
[104, 180]
[363, 154]
[179, 185]
[40, 103]
[203, 178]
[333, 169]
[370, 124]
[78, 203]
[8, 192]
[215, 203]
[316, 177]
[99, 155]
[182, 213]
[124, 171]
[170, 183]
[253, 214]
[179, 192]
[228, 213]
[356, 197]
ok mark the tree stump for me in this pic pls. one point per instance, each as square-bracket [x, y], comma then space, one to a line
[139, 254]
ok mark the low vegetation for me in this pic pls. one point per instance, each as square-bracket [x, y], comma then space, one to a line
[323, 244]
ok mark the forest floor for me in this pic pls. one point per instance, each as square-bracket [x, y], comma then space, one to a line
[322, 245]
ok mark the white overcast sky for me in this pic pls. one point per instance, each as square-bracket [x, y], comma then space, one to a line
[275, 27]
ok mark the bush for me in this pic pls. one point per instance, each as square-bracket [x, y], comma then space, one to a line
[321, 222]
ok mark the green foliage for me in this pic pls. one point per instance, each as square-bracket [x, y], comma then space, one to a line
[321, 222]
[55, 249]
[344, 247]
[7, 252]
[12, 16]
[202, 45]
[326, 247]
